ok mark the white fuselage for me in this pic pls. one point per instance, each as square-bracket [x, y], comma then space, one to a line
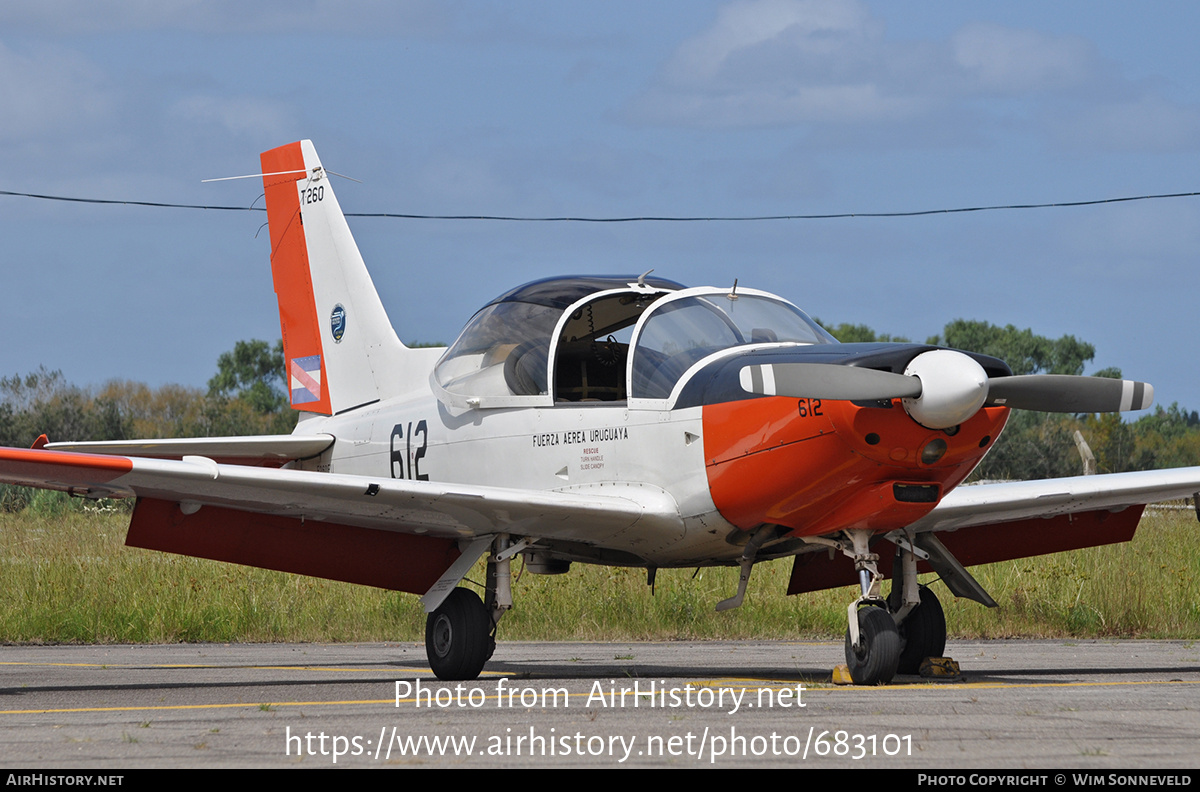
[596, 447]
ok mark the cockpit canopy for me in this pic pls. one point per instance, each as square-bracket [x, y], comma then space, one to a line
[570, 340]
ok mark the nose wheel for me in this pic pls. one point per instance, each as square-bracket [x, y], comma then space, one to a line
[872, 640]
[874, 659]
[886, 637]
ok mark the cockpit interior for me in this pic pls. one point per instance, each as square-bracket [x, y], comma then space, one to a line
[607, 339]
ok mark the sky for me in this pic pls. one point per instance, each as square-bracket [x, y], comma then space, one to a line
[752, 107]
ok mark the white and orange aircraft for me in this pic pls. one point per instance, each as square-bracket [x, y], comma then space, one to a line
[607, 420]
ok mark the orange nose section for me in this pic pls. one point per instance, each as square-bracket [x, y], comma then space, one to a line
[820, 466]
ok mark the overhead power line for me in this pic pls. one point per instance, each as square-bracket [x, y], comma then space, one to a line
[637, 219]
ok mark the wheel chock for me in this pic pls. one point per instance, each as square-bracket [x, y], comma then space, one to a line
[940, 668]
[841, 675]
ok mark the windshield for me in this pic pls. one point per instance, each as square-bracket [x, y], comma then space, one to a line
[681, 332]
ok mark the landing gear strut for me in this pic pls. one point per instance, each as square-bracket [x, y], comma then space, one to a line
[872, 640]
[922, 623]
[460, 634]
[923, 633]
[895, 635]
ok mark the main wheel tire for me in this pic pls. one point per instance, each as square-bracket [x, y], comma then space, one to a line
[923, 633]
[458, 638]
[874, 663]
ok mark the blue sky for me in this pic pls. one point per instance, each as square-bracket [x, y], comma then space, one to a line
[607, 109]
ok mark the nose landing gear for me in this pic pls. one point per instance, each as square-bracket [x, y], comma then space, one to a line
[874, 658]
[872, 640]
[891, 636]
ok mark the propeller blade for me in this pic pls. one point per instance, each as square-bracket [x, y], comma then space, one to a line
[827, 381]
[1067, 394]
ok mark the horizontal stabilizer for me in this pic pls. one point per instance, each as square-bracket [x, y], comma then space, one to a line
[264, 448]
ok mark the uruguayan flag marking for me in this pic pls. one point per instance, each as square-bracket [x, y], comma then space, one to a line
[305, 379]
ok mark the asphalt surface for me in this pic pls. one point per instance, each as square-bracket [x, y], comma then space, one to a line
[1018, 704]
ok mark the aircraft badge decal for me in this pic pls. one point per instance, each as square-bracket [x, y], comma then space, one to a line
[337, 322]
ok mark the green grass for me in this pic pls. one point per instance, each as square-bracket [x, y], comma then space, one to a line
[68, 577]
[1145, 588]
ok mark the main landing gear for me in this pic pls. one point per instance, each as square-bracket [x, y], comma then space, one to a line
[922, 634]
[460, 634]
[893, 635]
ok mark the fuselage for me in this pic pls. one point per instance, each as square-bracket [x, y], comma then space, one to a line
[612, 387]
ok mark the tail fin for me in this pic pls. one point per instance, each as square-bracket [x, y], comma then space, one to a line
[340, 349]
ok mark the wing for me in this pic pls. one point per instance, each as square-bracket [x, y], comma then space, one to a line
[986, 523]
[990, 505]
[378, 531]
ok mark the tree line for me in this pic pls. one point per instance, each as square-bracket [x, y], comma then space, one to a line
[248, 395]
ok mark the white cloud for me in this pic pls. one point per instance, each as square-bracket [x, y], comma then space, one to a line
[766, 62]
[828, 67]
[1016, 61]
[765, 107]
[763, 29]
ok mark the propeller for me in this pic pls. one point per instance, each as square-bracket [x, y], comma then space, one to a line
[1062, 393]
[943, 388]
[825, 381]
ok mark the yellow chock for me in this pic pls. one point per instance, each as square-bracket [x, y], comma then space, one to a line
[841, 675]
[940, 667]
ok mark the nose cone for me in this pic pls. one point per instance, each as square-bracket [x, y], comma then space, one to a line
[953, 388]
